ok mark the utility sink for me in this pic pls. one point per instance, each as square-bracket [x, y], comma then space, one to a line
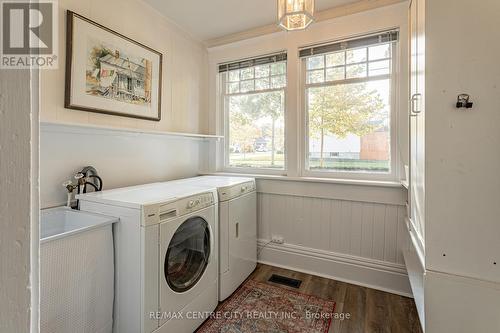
[61, 222]
[76, 271]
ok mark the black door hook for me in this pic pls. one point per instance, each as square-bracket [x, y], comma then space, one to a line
[463, 101]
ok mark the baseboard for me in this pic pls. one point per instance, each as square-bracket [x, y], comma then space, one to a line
[360, 271]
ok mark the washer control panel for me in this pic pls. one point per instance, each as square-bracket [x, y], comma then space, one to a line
[199, 201]
[194, 203]
[157, 213]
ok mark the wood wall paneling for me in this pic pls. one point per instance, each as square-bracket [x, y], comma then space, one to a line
[362, 229]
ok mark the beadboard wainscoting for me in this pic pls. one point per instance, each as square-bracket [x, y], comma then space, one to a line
[122, 157]
[349, 233]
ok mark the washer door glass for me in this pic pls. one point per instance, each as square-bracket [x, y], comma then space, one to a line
[187, 255]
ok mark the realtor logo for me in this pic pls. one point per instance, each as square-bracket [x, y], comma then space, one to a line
[29, 34]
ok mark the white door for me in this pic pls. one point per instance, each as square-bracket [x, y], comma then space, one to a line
[417, 117]
[242, 247]
[188, 254]
[243, 238]
[187, 259]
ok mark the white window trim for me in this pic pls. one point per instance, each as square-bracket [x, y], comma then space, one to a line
[295, 131]
[224, 145]
[304, 129]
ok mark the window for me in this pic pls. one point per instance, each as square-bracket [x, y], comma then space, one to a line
[348, 103]
[253, 97]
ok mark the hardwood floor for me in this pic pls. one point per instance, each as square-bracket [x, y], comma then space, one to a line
[370, 310]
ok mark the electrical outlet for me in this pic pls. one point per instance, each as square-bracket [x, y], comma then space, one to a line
[277, 240]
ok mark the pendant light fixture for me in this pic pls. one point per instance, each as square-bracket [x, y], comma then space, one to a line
[295, 14]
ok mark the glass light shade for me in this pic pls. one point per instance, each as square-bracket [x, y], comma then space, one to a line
[295, 14]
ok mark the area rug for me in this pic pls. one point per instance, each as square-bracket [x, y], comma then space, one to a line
[261, 308]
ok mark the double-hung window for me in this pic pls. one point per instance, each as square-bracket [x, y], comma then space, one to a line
[253, 100]
[349, 104]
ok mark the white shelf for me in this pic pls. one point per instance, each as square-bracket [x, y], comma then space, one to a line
[79, 128]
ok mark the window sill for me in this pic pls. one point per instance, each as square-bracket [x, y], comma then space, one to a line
[313, 179]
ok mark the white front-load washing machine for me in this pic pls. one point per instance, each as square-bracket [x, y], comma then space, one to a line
[188, 264]
[166, 257]
[237, 228]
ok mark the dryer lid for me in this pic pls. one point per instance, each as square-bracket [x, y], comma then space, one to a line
[228, 187]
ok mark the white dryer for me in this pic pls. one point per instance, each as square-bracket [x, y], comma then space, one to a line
[165, 255]
[237, 228]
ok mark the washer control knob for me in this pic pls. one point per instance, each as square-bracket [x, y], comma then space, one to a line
[243, 188]
[190, 204]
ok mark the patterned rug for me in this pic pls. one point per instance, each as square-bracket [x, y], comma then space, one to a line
[261, 308]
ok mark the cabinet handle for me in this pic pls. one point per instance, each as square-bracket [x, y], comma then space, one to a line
[237, 229]
[414, 102]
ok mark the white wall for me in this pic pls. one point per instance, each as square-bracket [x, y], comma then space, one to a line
[18, 202]
[462, 284]
[124, 159]
[353, 233]
[462, 146]
[121, 159]
[184, 93]
[461, 305]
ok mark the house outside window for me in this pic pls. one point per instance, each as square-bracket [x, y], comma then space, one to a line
[253, 100]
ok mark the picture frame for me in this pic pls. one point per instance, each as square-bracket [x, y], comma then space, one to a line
[109, 73]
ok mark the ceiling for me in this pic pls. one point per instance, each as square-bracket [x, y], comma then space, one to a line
[208, 19]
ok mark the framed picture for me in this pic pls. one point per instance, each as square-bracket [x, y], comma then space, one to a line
[107, 72]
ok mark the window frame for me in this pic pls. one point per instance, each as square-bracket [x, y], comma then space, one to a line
[224, 111]
[394, 173]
